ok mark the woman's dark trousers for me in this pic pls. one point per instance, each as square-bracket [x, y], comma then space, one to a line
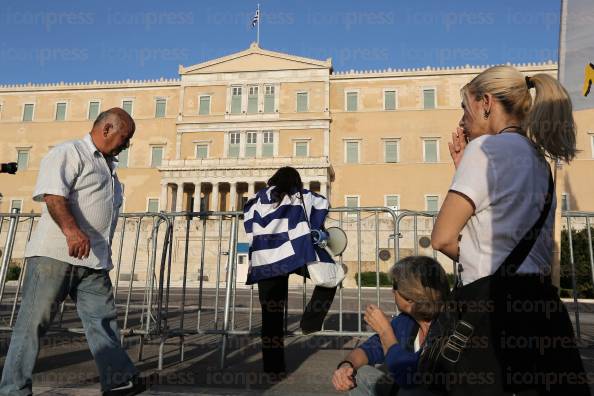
[273, 293]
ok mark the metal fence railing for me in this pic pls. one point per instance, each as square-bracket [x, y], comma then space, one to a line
[182, 274]
[136, 288]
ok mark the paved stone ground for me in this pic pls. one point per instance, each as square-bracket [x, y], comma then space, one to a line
[65, 366]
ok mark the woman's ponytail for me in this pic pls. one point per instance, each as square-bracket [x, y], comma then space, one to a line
[549, 122]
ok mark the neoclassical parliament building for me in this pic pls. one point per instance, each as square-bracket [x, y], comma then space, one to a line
[210, 138]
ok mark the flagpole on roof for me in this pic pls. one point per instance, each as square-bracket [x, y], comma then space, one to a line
[258, 30]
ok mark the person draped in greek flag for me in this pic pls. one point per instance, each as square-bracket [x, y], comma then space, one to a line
[281, 244]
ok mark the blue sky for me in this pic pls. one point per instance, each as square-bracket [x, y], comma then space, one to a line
[59, 40]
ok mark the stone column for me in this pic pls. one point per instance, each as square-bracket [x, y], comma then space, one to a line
[163, 199]
[233, 196]
[251, 187]
[324, 188]
[197, 193]
[179, 197]
[214, 197]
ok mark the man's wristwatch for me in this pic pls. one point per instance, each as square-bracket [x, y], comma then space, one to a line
[345, 362]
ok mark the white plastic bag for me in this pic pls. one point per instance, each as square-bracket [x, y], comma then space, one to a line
[325, 274]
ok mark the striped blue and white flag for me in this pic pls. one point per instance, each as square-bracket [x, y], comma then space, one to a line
[256, 18]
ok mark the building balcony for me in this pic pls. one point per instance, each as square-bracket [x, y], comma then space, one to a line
[245, 163]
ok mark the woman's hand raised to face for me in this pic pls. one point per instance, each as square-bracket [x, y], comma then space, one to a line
[457, 146]
[377, 319]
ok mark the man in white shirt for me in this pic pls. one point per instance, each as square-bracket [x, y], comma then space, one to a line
[70, 254]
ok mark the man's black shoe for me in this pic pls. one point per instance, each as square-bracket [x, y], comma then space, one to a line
[133, 386]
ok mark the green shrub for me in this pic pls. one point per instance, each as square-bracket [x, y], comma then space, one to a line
[368, 279]
[581, 258]
[13, 273]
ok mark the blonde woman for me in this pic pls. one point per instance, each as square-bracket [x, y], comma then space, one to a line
[420, 289]
[499, 191]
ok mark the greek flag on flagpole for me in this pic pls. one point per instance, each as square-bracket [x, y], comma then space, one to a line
[256, 18]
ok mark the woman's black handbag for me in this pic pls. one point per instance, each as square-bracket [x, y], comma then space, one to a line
[504, 333]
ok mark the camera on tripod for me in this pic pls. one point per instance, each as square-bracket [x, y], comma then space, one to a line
[9, 167]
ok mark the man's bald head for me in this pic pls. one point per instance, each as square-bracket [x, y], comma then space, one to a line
[115, 115]
[112, 131]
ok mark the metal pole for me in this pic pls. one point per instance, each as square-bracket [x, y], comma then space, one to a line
[377, 268]
[573, 281]
[359, 270]
[258, 31]
[184, 280]
[21, 277]
[130, 283]
[7, 254]
[340, 288]
[217, 287]
[590, 246]
[231, 267]
[201, 280]
[119, 263]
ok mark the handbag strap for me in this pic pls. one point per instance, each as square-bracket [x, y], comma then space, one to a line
[304, 210]
[517, 256]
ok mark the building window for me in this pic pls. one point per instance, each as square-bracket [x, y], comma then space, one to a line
[565, 202]
[156, 156]
[235, 100]
[429, 98]
[391, 151]
[352, 99]
[160, 108]
[592, 144]
[301, 149]
[431, 203]
[123, 158]
[351, 201]
[252, 100]
[94, 108]
[202, 151]
[393, 202]
[152, 205]
[430, 150]
[16, 204]
[204, 108]
[269, 99]
[60, 111]
[267, 144]
[390, 100]
[351, 152]
[251, 144]
[302, 99]
[22, 159]
[28, 110]
[127, 106]
[234, 144]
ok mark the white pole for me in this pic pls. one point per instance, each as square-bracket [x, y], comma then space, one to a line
[258, 30]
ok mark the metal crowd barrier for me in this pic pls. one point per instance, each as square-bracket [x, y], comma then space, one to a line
[140, 305]
[213, 235]
[177, 300]
[578, 221]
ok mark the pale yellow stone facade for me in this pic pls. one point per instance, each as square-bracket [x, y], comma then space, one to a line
[336, 127]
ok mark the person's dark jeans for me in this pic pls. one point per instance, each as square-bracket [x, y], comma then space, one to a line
[273, 293]
[47, 283]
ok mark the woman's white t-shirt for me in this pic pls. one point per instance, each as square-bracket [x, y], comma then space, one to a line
[507, 180]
